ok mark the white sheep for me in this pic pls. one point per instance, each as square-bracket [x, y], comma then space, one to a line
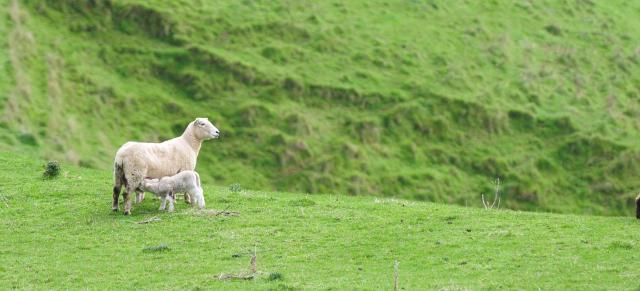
[184, 182]
[136, 161]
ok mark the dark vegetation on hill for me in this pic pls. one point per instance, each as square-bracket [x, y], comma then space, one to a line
[426, 100]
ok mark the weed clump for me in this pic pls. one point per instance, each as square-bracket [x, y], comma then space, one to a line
[157, 249]
[51, 170]
[235, 188]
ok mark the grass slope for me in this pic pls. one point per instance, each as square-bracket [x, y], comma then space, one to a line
[425, 100]
[61, 234]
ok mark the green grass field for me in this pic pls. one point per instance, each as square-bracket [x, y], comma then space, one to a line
[61, 234]
[354, 134]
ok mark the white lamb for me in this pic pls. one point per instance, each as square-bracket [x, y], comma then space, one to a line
[184, 182]
[136, 161]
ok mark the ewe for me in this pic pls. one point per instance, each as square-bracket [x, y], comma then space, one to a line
[136, 161]
[184, 182]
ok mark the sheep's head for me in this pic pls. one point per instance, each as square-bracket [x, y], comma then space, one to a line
[203, 129]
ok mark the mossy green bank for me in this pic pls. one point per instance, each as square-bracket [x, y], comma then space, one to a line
[423, 100]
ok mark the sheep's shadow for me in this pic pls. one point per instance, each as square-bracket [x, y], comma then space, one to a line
[151, 205]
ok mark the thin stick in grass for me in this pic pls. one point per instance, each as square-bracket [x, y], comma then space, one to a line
[396, 264]
[4, 200]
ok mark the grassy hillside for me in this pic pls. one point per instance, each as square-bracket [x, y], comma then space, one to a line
[61, 234]
[426, 100]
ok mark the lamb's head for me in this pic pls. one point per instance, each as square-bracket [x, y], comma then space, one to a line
[203, 129]
[151, 185]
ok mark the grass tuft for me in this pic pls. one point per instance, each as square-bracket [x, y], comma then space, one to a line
[621, 245]
[275, 276]
[302, 202]
[156, 249]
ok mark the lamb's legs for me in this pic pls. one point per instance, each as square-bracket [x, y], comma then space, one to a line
[171, 200]
[163, 205]
[139, 196]
[199, 198]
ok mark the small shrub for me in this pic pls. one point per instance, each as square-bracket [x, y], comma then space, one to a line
[235, 188]
[275, 276]
[553, 29]
[51, 170]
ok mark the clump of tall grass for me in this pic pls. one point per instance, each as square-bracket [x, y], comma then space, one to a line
[235, 188]
[156, 249]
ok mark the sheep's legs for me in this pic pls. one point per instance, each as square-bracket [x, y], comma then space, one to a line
[126, 197]
[131, 187]
[127, 200]
[116, 197]
[118, 181]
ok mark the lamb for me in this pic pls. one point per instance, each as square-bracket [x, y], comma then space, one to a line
[183, 182]
[136, 161]
[164, 196]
